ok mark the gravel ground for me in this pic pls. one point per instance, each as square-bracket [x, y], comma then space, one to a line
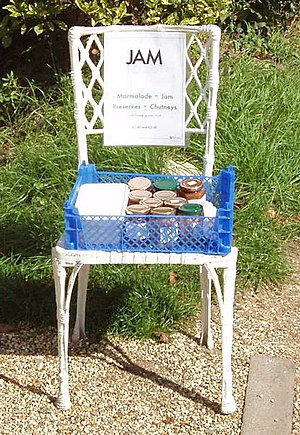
[132, 387]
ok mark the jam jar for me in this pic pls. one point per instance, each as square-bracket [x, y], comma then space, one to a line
[151, 202]
[136, 196]
[163, 211]
[139, 183]
[165, 183]
[164, 195]
[191, 225]
[164, 230]
[175, 202]
[191, 210]
[137, 209]
[191, 188]
[136, 231]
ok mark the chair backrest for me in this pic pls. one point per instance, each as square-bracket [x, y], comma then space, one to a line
[109, 98]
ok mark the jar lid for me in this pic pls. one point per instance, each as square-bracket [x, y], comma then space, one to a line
[191, 184]
[163, 210]
[138, 195]
[164, 195]
[176, 202]
[139, 183]
[166, 183]
[137, 209]
[151, 202]
[191, 209]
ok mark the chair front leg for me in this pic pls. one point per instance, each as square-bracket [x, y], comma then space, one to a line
[228, 402]
[59, 272]
[63, 299]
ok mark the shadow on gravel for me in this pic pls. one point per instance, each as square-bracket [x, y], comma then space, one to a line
[30, 341]
[29, 388]
[121, 360]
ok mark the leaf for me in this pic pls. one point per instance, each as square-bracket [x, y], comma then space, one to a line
[162, 337]
[6, 41]
[12, 10]
[39, 28]
[173, 278]
[62, 25]
[169, 420]
[50, 26]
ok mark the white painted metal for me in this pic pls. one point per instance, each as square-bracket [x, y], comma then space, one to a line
[83, 278]
[206, 336]
[79, 261]
[82, 39]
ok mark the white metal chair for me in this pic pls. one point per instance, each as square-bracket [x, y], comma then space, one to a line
[87, 49]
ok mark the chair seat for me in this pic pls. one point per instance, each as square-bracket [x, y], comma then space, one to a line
[70, 257]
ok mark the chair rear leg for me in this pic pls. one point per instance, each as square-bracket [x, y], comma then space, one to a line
[205, 281]
[79, 328]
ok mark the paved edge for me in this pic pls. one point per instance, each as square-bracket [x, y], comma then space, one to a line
[269, 397]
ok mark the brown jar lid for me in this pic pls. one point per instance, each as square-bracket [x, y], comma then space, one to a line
[137, 209]
[175, 202]
[135, 196]
[191, 184]
[163, 211]
[139, 183]
[151, 202]
[164, 195]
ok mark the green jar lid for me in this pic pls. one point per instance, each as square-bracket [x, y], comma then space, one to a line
[191, 209]
[168, 183]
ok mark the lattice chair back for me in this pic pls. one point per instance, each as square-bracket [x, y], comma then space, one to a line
[102, 108]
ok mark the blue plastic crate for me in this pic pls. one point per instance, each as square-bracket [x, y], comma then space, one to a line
[152, 233]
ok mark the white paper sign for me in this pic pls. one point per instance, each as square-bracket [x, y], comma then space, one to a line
[144, 92]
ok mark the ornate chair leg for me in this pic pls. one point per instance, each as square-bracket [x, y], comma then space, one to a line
[206, 336]
[63, 401]
[228, 402]
[79, 328]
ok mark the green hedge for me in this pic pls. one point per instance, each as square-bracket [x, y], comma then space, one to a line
[44, 17]
[33, 39]
[262, 15]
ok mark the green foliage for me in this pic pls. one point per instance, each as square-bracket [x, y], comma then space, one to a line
[15, 99]
[35, 31]
[176, 12]
[139, 300]
[261, 15]
[44, 17]
[104, 12]
[258, 125]
[9, 94]
[258, 131]
[37, 16]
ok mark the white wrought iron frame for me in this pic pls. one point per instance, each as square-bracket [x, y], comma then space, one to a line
[79, 261]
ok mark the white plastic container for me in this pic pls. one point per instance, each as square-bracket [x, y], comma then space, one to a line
[103, 199]
[102, 206]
